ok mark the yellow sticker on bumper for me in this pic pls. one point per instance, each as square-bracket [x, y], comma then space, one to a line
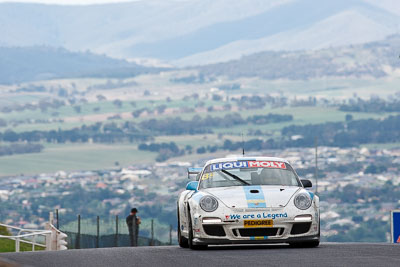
[258, 223]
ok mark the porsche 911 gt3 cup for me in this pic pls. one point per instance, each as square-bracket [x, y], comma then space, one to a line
[247, 201]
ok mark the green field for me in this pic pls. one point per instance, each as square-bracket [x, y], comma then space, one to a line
[7, 245]
[301, 116]
[70, 157]
[338, 88]
[88, 115]
[161, 87]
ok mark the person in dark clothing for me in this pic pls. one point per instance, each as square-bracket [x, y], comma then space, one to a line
[133, 222]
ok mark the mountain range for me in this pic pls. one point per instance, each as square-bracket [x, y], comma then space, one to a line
[22, 64]
[198, 32]
[373, 60]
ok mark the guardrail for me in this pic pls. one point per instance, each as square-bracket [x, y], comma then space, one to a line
[20, 237]
[54, 239]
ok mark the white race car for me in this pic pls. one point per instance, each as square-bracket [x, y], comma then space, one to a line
[247, 201]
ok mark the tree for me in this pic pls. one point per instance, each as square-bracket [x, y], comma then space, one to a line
[374, 169]
[189, 149]
[10, 136]
[161, 109]
[101, 98]
[117, 103]
[349, 117]
[77, 109]
[3, 123]
[216, 97]
[201, 150]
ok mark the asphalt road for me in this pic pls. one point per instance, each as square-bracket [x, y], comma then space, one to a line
[327, 254]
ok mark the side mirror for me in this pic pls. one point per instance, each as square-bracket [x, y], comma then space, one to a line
[194, 171]
[306, 183]
[192, 185]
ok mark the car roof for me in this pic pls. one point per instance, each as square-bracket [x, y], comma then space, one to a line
[245, 159]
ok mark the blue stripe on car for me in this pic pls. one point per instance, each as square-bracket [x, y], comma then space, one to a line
[254, 200]
[197, 196]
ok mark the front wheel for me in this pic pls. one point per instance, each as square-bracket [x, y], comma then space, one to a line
[183, 242]
[190, 239]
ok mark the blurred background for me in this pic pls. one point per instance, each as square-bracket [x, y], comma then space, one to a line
[104, 104]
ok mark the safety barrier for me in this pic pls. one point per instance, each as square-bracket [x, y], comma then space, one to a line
[28, 236]
[53, 238]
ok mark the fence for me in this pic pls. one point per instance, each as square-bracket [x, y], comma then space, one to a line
[112, 232]
[49, 239]
[39, 238]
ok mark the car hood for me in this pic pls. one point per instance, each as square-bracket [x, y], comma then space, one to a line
[254, 196]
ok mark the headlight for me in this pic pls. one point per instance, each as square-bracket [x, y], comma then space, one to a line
[302, 201]
[208, 203]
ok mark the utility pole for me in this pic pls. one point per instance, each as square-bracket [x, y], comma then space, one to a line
[152, 233]
[316, 165]
[170, 235]
[242, 145]
[98, 232]
[58, 225]
[116, 230]
[78, 236]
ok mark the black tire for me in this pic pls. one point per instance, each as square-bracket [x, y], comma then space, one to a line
[190, 239]
[183, 242]
[319, 228]
[308, 244]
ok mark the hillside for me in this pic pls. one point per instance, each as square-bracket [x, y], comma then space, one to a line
[20, 64]
[376, 59]
[114, 28]
[198, 31]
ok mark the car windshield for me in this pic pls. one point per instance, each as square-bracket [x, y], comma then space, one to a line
[245, 173]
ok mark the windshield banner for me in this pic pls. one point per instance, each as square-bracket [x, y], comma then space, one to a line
[247, 164]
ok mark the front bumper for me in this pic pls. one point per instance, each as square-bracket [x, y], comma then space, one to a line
[281, 230]
[212, 241]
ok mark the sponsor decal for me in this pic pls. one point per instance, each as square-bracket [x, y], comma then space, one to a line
[229, 165]
[256, 201]
[254, 196]
[247, 164]
[232, 217]
[263, 215]
[258, 223]
[398, 239]
[258, 237]
[267, 164]
[275, 215]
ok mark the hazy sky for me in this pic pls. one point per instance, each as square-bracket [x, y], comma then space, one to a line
[69, 2]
